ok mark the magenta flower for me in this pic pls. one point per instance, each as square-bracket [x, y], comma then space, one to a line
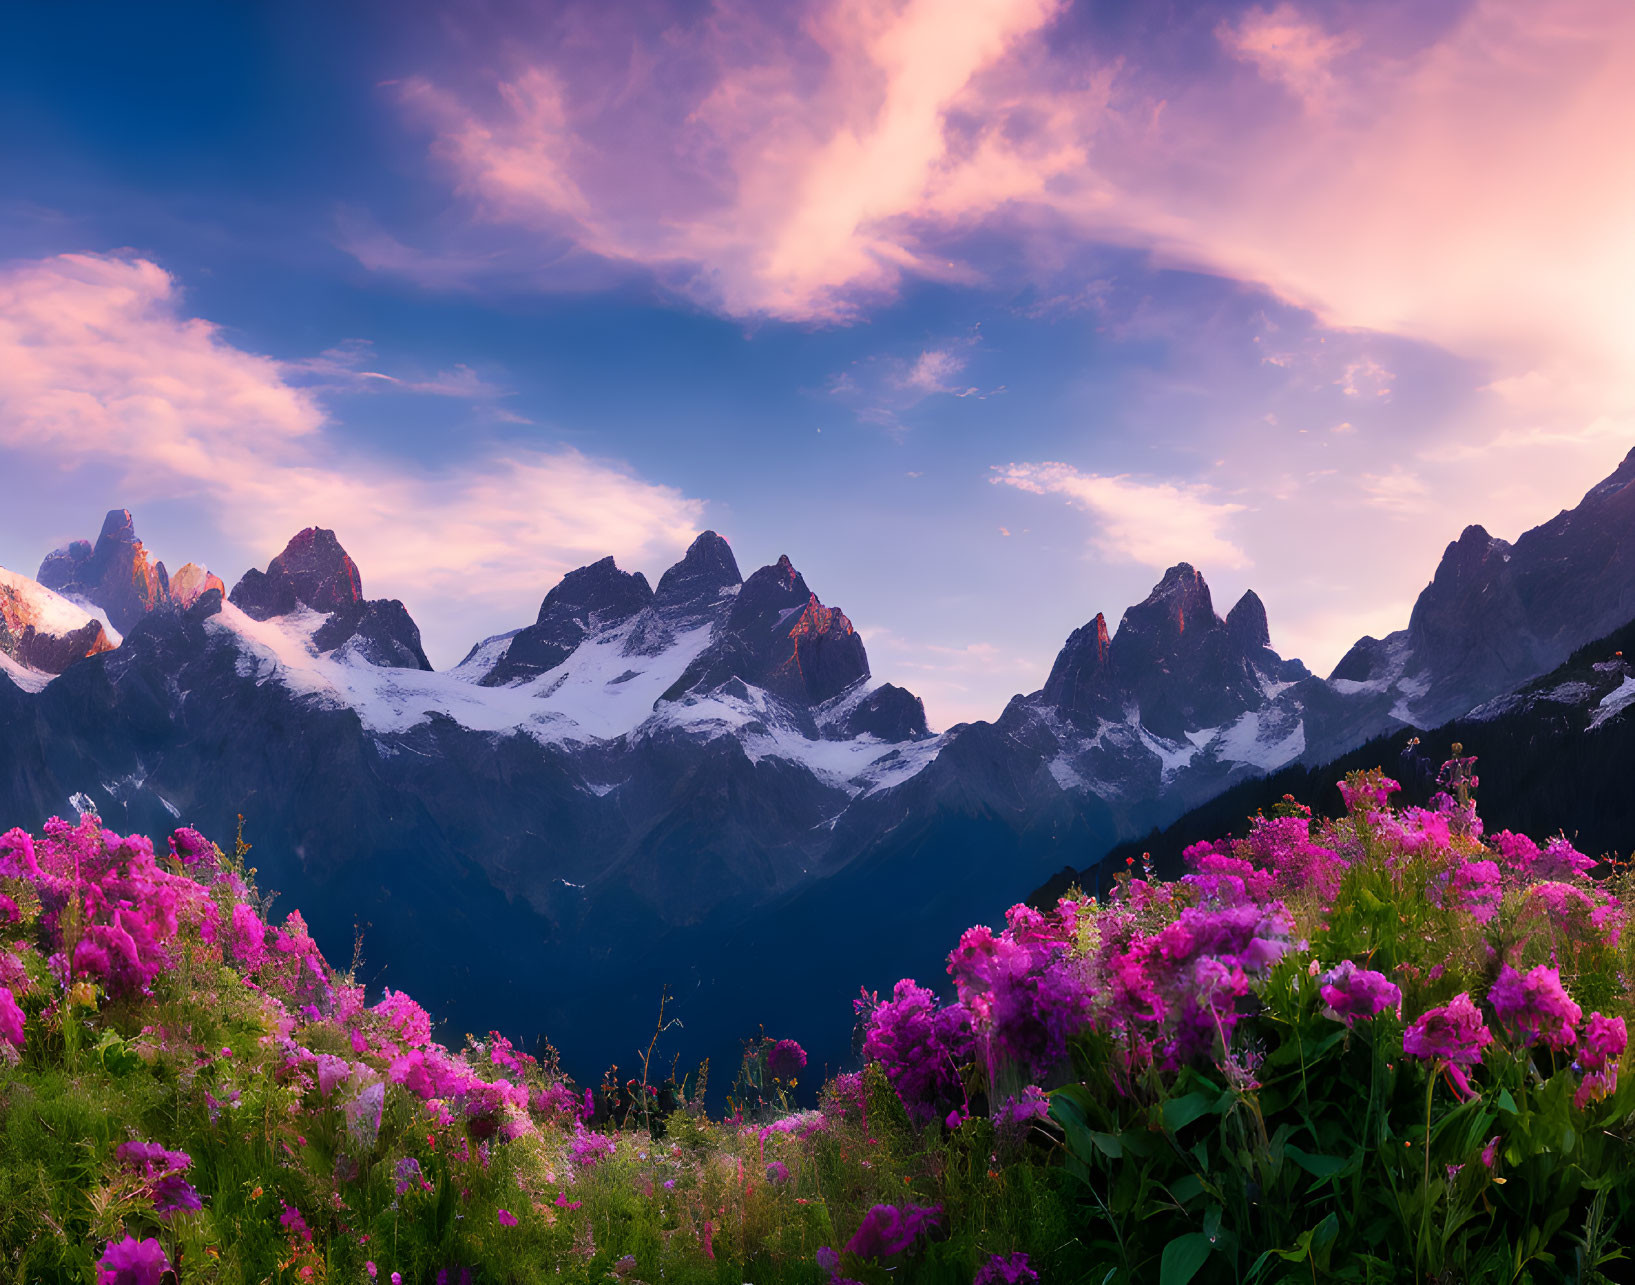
[777, 1173]
[1454, 1033]
[589, 1148]
[786, 1060]
[888, 1230]
[1475, 888]
[12, 1019]
[1605, 1039]
[507, 1218]
[132, 1262]
[1006, 1269]
[921, 1047]
[1534, 1007]
[1352, 993]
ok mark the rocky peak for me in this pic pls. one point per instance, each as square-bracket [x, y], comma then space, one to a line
[1179, 601]
[766, 596]
[583, 601]
[1616, 483]
[1246, 624]
[706, 569]
[316, 572]
[192, 582]
[115, 574]
[313, 570]
[600, 589]
[1079, 676]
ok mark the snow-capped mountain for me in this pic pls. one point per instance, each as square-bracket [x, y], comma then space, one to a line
[42, 633]
[702, 783]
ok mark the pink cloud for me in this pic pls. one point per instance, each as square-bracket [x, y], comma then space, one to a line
[101, 365]
[789, 180]
[1152, 522]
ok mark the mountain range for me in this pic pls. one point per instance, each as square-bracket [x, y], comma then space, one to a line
[698, 784]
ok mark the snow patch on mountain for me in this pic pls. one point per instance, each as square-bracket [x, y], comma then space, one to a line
[1614, 702]
[49, 611]
[30, 680]
[593, 695]
[1262, 740]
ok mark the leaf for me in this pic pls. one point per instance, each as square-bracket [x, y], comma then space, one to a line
[1316, 1166]
[1187, 1187]
[1108, 1144]
[1508, 1103]
[1182, 1259]
[1180, 1112]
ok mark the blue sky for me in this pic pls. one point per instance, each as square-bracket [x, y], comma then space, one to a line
[984, 314]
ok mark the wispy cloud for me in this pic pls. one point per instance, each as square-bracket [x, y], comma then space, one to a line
[100, 364]
[1155, 523]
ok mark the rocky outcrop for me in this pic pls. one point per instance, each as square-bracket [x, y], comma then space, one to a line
[43, 631]
[191, 582]
[778, 635]
[585, 601]
[115, 574]
[315, 572]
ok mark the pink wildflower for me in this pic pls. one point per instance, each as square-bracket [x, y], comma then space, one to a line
[12, 1019]
[1535, 1007]
[1351, 993]
[1454, 1032]
[132, 1262]
[1605, 1039]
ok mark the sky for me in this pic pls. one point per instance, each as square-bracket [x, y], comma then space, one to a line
[985, 312]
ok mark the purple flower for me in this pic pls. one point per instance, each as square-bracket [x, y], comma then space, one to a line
[777, 1173]
[132, 1262]
[1605, 1039]
[1535, 1007]
[173, 1193]
[151, 1159]
[921, 1047]
[408, 1175]
[828, 1260]
[1351, 993]
[363, 1112]
[786, 1060]
[589, 1149]
[888, 1230]
[1475, 888]
[507, 1218]
[12, 1019]
[1454, 1033]
[1006, 1269]
[292, 1221]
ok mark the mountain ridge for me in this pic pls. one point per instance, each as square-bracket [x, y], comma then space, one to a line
[652, 785]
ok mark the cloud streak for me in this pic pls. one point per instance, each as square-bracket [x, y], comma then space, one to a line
[1154, 523]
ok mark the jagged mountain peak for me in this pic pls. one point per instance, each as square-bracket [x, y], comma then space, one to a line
[600, 587]
[1246, 623]
[116, 574]
[1079, 674]
[705, 570]
[312, 571]
[315, 572]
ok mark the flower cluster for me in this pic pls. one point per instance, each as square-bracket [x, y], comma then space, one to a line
[1352, 993]
[890, 1229]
